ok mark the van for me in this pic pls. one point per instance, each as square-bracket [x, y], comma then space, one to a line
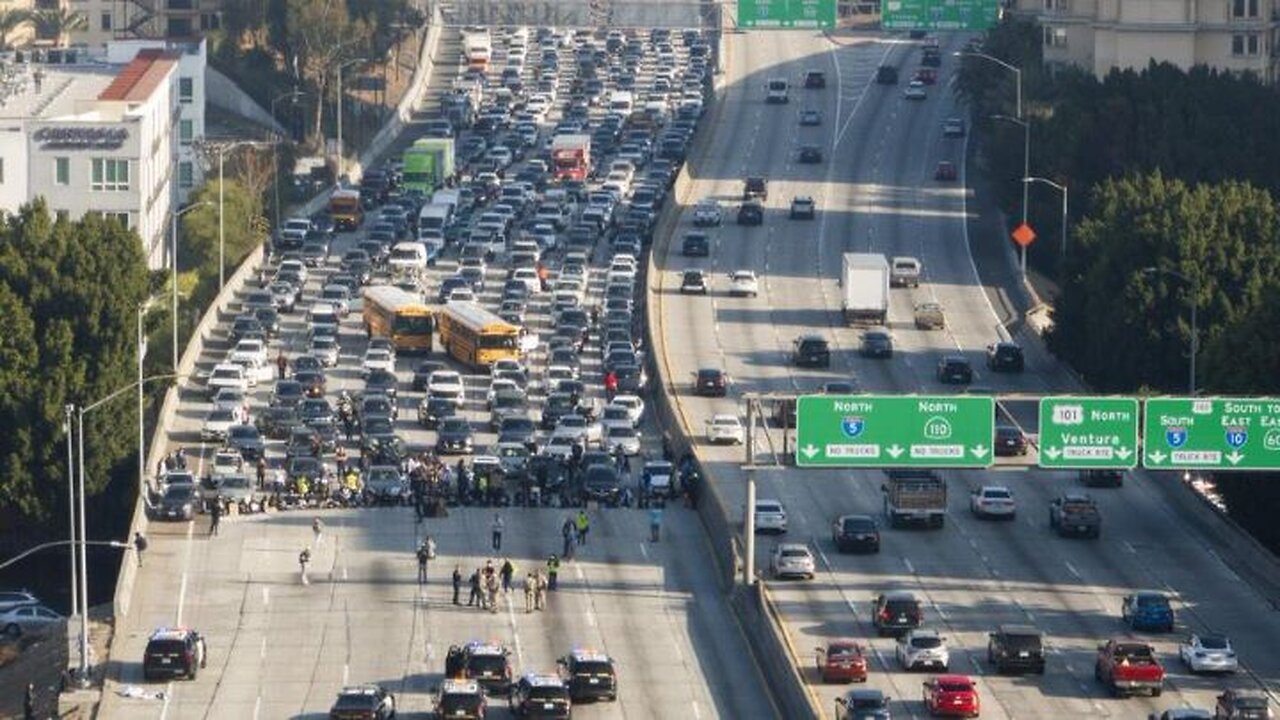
[408, 257]
[322, 315]
[435, 217]
[811, 351]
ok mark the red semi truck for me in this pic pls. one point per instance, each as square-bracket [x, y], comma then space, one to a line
[571, 156]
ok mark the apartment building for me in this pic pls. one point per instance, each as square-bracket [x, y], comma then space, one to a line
[109, 20]
[1233, 35]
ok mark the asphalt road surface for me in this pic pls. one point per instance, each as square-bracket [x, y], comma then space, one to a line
[876, 192]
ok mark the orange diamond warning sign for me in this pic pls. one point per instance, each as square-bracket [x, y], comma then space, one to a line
[1024, 235]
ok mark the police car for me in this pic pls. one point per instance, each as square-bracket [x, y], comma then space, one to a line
[486, 663]
[590, 675]
[173, 652]
[460, 699]
[540, 696]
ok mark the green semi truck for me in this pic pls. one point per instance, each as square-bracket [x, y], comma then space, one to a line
[427, 163]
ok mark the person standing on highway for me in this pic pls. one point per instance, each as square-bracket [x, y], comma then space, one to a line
[29, 703]
[317, 529]
[492, 590]
[530, 590]
[553, 569]
[262, 471]
[497, 528]
[583, 525]
[475, 596]
[304, 558]
[570, 532]
[457, 583]
[540, 591]
[215, 517]
[282, 365]
[655, 524]
[422, 564]
[610, 385]
[506, 572]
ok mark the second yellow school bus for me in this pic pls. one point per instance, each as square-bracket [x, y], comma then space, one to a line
[476, 336]
[390, 312]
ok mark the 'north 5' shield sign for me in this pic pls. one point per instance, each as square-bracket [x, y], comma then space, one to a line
[853, 425]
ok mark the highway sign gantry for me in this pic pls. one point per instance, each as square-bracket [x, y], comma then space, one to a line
[939, 14]
[1213, 433]
[1081, 433]
[782, 14]
[877, 431]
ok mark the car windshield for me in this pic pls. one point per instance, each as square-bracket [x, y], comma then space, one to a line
[993, 494]
[1214, 642]
[795, 554]
[548, 693]
[858, 525]
[1154, 602]
[867, 703]
[954, 686]
[494, 664]
[460, 704]
[925, 643]
[1022, 642]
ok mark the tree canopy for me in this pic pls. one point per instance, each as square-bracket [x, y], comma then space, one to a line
[69, 295]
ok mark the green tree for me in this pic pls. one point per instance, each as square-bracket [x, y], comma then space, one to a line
[200, 227]
[70, 296]
[11, 20]
[54, 24]
[1122, 328]
[322, 34]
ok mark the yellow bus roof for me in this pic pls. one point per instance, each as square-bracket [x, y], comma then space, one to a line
[393, 298]
[476, 318]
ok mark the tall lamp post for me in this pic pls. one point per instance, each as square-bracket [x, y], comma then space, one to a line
[275, 156]
[174, 233]
[83, 541]
[1062, 189]
[221, 149]
[1194, 284]
[341, 157]
[1017, 72]
[1026, 171]
[70, 410]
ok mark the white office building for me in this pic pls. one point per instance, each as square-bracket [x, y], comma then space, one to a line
[104, 138]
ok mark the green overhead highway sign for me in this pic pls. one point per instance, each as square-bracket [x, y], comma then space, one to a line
[1217, 433]
[878, 431]
[1088, 432]
[939, 14]
[784, 14]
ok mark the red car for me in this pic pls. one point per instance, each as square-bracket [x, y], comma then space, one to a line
[928, 76]
[946, 171]
[842, 661]
[951, 695]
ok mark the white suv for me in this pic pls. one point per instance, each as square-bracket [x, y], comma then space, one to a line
[770, 516]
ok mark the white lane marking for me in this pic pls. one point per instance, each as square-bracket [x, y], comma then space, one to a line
[257, 707]
[910, 568]
[1072, 569]
[644, 551]
[968, 247]
[346, 673]
[1129, 546]
[186, 563]
[266, 596]
[697, 712]
[262, 648]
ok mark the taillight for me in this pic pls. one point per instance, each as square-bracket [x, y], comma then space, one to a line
[885, 614]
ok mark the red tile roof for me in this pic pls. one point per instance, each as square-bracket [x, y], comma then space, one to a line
[141, 76]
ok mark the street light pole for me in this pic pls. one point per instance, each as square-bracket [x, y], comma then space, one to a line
[275, 155]
[1026, 172]
[1194, 284]
[1017, 72]
[81, 411]
[1062, 189]
[68, 410]
[142, 440]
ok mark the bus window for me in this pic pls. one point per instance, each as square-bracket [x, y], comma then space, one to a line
[412, 324]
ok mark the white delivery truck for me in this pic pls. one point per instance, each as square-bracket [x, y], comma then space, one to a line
[864, 288]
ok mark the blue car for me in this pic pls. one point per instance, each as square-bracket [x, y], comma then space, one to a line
[1148, 610]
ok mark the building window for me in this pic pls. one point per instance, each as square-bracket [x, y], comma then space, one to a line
[109, 174]
[62, 171]
[210, 21]
[120, 217]
[106, 21]
[1055, 37]
[1, 171]
[186, 131]
[61, 215]
[1244, 9]
[1060, 6]
[1244, 44]
[186, 90]
[186, 174]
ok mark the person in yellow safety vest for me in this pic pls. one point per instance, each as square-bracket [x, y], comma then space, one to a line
[352, 480]
[303, 485]
[553, 570]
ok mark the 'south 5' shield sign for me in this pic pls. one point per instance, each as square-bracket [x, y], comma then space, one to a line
[853, 425]
[1175, 436]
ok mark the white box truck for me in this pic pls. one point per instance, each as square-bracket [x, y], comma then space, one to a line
[864, 288]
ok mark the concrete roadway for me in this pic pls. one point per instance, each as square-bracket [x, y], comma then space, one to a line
[876, 192]
[280, 649]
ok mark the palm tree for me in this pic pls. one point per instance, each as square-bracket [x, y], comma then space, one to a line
[10, 20]
[55, 24]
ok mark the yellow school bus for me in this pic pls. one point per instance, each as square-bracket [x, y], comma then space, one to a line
[476, 336]
[401, 316]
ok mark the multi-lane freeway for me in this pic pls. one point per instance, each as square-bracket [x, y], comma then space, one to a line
[279, 648]
[876, 192]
